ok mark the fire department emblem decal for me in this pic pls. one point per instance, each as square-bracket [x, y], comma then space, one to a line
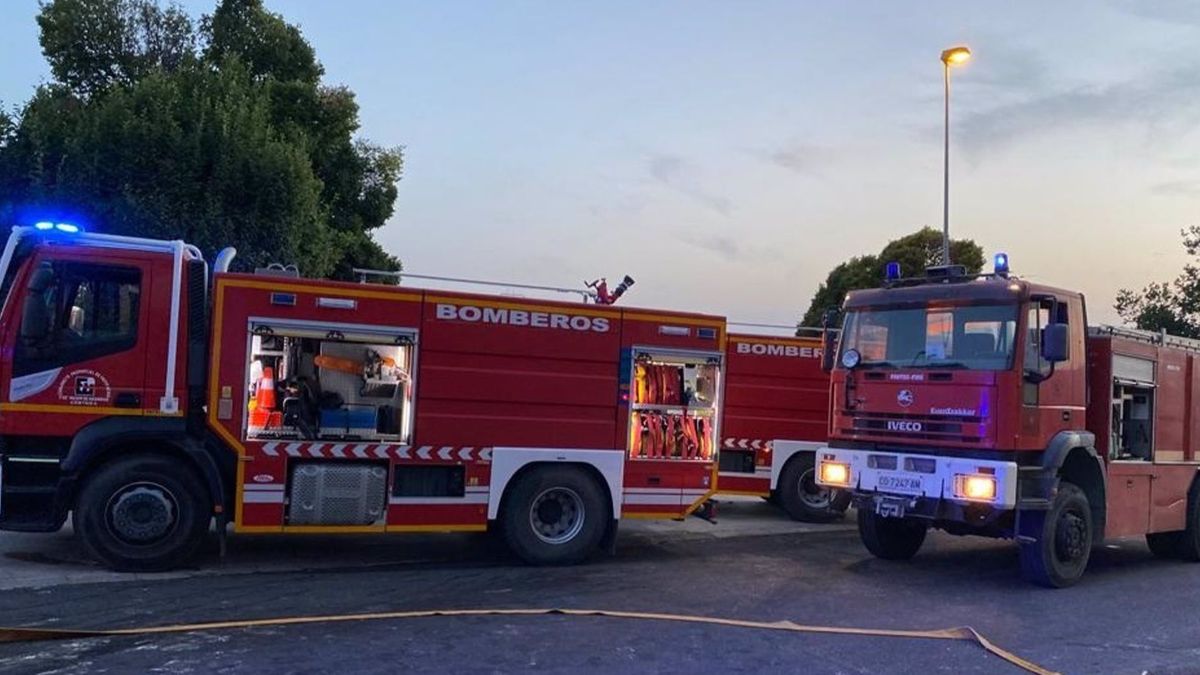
[84, 387]
[904, 398]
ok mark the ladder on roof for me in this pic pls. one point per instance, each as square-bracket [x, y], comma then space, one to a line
[1149, 337]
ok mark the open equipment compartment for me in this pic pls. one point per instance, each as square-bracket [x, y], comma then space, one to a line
[674, 403]
[310, 380]
[1134, 386]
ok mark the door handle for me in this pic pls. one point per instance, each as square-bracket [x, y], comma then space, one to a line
[128, 399]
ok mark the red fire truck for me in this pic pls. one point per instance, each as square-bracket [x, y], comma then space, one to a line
[776, 416]
[985, 405]
[144, 399]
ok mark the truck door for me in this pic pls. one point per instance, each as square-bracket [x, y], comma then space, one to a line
[1053, 394]
[76, 341]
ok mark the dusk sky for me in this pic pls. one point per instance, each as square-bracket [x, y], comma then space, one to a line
[728, 154]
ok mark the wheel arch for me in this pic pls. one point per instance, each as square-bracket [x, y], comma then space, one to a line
[106, 439]
[783, 451]
[606, 467]
[1072, 457]
[1193, 493]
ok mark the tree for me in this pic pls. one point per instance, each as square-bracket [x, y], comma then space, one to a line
[913, 252]
[96, 44]
[220, 135]
[1171, 306]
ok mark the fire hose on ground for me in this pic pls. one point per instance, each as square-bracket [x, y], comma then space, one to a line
[960, 634]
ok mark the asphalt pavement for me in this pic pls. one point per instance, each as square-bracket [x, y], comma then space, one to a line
[1131, 614]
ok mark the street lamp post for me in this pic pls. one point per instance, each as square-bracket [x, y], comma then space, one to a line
[954, 56]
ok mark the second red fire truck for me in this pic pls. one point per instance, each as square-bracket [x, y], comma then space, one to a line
[776, 415]
[986, 405]
[145, 396]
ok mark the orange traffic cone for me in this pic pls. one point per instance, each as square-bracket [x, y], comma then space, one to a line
[265, 397]
[264, 400]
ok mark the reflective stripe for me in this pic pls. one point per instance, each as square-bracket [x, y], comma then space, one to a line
[263, 497]
[469, 498]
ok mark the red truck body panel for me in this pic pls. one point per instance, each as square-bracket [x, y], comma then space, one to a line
[1146, 495]
[775, 390]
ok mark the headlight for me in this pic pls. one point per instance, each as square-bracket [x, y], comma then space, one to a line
[834, 473]
[975, 487]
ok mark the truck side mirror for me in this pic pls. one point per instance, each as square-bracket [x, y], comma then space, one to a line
[35, 315]
[828, 349]
[828, 340]
[1056, 342]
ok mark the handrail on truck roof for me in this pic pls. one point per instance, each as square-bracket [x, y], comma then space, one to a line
[365, 274]
[812, 332]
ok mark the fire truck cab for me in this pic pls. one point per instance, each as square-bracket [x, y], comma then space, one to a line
[144, 397]
[985, 405]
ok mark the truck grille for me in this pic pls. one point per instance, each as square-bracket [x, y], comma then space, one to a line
[924, 427]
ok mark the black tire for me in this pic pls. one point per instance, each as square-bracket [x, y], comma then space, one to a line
[1189, 539]
[143, 513]
[891, 538]
[1165, 544]
[801, 497]
[1063, 543]
[555, 515]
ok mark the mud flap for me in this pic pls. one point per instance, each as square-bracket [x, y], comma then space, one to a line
[609, 543]
[707, 511]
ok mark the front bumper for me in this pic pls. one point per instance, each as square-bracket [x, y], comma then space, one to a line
[917, 476]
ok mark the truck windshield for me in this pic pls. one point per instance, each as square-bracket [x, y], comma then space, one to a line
[974, 337]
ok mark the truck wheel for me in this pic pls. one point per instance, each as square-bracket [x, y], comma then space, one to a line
[554, 515]
[890, 538]
[143, 513]
[1189, 539]
[801, 497]
[1059, 555]
[1165, 544]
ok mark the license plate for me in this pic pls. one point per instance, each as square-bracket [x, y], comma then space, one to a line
[898, 482]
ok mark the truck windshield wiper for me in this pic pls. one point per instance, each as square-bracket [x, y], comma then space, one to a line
[957, 365]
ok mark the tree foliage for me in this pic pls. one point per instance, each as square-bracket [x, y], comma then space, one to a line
[217, 132]
[94, 45]
[914, 252]
[1171, 306]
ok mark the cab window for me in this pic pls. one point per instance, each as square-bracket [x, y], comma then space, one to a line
[76, 312]
[1038, 315]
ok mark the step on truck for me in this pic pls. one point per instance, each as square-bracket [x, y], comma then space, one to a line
[144, 396]
[776, 415]
[986, 405]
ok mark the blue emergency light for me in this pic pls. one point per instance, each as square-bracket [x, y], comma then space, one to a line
[892, 271]
[1001, 264]
[47, 226]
